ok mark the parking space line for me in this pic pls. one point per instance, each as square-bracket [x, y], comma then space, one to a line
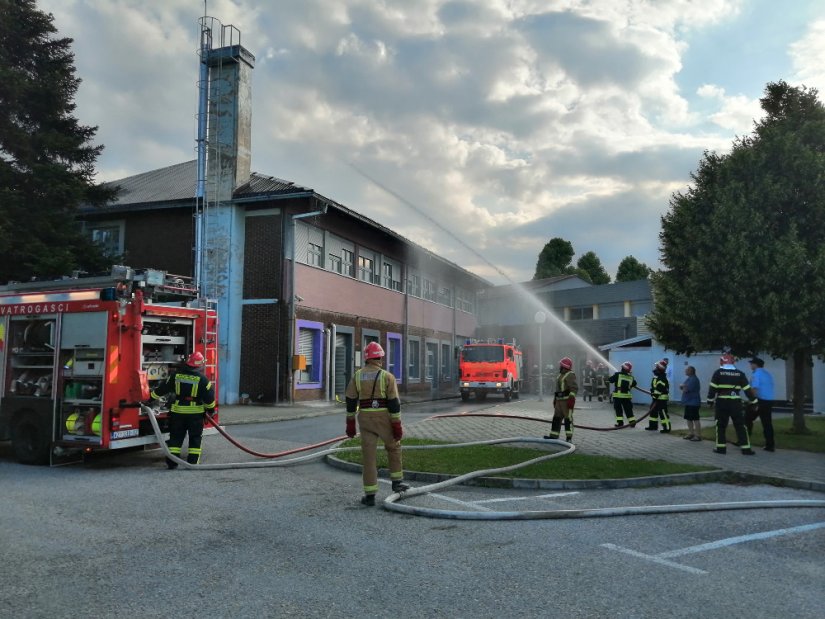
[524, 498]
[654, 559]
[730, 541]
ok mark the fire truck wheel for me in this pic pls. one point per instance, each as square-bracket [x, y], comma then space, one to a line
[30, 442]
[508, 394]
[465, 396]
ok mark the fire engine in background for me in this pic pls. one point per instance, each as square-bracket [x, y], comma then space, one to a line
[79, 355]
[490, 367]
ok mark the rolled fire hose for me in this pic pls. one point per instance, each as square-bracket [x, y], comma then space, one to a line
[392, 502]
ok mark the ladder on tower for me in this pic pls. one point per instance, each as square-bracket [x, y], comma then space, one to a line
[210, 335]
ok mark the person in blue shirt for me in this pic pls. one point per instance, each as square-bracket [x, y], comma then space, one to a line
[692, 401]
[762, 384]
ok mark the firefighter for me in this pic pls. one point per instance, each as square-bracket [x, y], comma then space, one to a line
[194, 394]
[564, 400]
[601, 382]
[373, 394]
[588, 381]
[623, 382]
[723, 395]
[660, 393]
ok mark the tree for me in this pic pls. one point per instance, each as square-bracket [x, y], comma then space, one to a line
[554, 259]
[46, 156]
[630, 270]
[744, 246]
[590, 264]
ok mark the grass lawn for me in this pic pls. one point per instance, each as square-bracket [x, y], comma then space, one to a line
[784, 437]
[460, 460]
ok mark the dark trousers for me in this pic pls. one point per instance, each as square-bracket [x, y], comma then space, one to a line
[730, 409]
[763, 410]
[623, 408]
[658, 412]
[180, 425]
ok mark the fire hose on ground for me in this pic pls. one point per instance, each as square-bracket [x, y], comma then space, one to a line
[393, 501]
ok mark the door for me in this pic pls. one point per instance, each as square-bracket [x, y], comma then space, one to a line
[343, 355]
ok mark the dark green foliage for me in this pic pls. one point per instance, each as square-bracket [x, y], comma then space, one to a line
[554, 259]
[631, 270]
[744, 246]
[590, 264]
[46, 157]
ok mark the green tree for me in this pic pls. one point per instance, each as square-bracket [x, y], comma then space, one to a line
[590, 264]
[630, 270]
[554, 259]
[744, 246]
[46, 156]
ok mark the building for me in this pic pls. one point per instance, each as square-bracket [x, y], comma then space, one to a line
[302, 283]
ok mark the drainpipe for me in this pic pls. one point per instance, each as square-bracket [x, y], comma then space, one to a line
[333, 335]
[326, 364]
[292, 299]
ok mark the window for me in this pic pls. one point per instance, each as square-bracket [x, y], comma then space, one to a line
[366, 269]
[414, 285]
[430, 361]
[315, 255]
[392, 275]
[445, 362]
[334, 263]
[348, 262]
[109, 235]
[414, 359]
[464, 300]
[445, 296]
[395, 360]
[581, 313]
[429, 289]
[310, 345]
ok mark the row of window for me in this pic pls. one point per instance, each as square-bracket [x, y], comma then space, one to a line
[434, 357]
[328, 251]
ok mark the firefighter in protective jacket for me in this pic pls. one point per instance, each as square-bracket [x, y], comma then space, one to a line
[723, 395]
[660, 394]
[193, 395]
[623, 382]
[564, 400]
[373, 394]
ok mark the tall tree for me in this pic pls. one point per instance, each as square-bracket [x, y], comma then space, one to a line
[744, 246]
[630, 270]
[590, 264]
[554, 259]
[46, 156]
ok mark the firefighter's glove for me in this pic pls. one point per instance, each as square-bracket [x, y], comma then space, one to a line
[711, 403]
[571, 402]
[753, 402]
[397, 430]
[350, 427]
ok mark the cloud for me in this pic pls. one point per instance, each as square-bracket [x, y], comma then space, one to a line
[807, 54]
[507, 122]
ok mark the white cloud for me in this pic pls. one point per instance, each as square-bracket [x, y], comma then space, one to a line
[506, 121]
[807, 54]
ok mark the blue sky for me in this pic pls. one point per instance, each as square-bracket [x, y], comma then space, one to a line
[509, 122]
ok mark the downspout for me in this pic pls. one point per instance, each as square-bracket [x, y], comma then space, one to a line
[292, 293]
[327, 334]
[333, 334]
[404, 351]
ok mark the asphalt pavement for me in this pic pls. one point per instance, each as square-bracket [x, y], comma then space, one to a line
[798, 469]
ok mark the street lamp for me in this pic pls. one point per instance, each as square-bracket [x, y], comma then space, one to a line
[540, 317]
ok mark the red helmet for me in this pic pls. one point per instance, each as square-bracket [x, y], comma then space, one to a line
[660, 365]
[627, 366]
[566, 363]
[727, 359]
[373, 350]
[195, 360]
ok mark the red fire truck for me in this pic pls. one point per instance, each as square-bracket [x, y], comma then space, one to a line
[79, 355]
[490, 367]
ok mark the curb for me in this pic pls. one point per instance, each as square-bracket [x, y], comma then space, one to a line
[594, 484]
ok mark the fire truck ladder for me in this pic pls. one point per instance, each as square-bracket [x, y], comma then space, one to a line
[210, 333]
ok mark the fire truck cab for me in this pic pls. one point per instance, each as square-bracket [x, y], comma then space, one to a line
[79, 355]
[490, 367]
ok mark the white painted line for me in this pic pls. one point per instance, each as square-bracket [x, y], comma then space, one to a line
[458, 502]
[654, 559]
[525, 498]
[730, 541]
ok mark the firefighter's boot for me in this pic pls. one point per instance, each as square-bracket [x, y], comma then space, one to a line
[555, 428]
[398, 485]
[171, 465]
[368, 500]
[568, 430]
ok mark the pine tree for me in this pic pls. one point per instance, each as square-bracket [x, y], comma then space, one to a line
[46, 156]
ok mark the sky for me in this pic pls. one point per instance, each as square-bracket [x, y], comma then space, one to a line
[506, 122]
